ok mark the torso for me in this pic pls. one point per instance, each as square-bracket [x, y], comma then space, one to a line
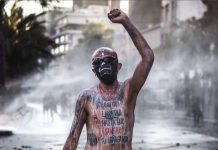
[109, 121]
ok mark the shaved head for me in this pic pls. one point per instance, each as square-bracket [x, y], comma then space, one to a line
[103, 52]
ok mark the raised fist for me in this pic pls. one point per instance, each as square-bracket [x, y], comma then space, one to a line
[117, 16]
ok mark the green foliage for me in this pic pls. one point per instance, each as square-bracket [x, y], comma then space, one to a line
[25, 42]
[95, 35]
[97, 30]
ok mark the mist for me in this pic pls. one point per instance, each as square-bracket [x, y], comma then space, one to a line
[182, 79]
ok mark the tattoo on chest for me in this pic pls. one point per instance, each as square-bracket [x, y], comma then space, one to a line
[113, 126]
[91, 139]
[109, 119]
[106, 104]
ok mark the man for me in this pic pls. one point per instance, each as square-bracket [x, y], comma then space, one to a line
[108, 108]
[197, 112]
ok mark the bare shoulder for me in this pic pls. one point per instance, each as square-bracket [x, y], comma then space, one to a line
[129, 95]
[126, 86]
[87, 94]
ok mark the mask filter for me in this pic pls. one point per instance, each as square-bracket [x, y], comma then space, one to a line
[106, 70]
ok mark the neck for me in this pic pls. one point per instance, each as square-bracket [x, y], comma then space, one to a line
[108, 91]
[111, 87]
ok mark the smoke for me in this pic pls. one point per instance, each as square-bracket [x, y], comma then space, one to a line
[47, 101]
[182, 57]
[39, 107]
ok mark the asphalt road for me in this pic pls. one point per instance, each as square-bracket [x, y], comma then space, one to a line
[149, 134]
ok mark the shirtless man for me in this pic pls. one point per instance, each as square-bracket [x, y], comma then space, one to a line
[108, 108]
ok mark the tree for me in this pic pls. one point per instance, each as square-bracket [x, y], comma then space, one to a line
[209, 26]
[195, 44]
[4, 38]
[25, 42]
[2, 55]
[2, 65]
[95, 35]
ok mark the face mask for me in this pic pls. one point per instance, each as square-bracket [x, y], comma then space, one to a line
[106, 69]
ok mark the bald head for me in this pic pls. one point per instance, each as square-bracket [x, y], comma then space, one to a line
[103, 52]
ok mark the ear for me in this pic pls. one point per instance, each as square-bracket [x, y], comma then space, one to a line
[93, 70]
[119, 66]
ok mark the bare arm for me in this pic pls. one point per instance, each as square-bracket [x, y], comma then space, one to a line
[78, 122]
[147, 57]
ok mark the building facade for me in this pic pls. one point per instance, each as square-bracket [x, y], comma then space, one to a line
[70, 24]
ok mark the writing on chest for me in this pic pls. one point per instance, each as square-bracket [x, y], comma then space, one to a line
[110, 114]
[109, 119]
[100, 103]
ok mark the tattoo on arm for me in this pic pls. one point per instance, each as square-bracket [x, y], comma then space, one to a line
[132, 32]
[77, 125]
[138, 40]
[144, 66]
[78, 111]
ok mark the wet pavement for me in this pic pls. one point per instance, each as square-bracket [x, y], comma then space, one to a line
[149, 134]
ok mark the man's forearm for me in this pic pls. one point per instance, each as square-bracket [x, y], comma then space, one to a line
[138, 40]
[70, 144]
[76, 128]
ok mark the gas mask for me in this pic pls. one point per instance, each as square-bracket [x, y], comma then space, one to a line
[106, 69]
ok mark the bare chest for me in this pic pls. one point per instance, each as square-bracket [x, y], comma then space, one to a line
[109, 120]
[108, 113]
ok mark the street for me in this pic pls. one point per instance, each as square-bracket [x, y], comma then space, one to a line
[149, 134]
[93, 58]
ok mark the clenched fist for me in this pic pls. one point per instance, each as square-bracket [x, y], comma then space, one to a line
[117, 16]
